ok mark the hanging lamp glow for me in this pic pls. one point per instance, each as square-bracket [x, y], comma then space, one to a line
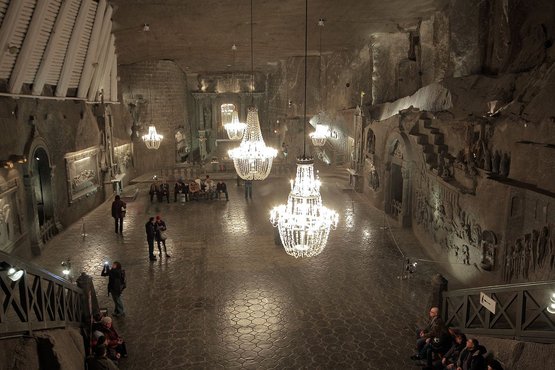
[152, 139]
[253, 159]
[235, 129]
[304, 223]
[320, 136]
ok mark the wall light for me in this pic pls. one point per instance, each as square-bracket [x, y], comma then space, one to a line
[15, 274]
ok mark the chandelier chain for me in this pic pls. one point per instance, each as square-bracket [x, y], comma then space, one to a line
[305, 74]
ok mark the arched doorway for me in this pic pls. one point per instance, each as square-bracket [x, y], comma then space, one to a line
[40, 202]
[398, 195]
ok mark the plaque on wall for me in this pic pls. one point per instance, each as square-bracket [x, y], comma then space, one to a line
[10, 224]
[82, 173]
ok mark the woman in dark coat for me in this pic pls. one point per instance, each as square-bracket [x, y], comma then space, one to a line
[116, 285]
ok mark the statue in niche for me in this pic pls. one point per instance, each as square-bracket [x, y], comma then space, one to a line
[441, 164]
[504, 165]
[543, 245]
[495, 162]
[489, 242]
[374, 180]
[476, 234]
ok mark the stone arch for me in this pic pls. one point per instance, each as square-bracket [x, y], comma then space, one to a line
[398, 196]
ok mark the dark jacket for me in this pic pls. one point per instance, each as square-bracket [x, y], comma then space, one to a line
[117, 206]
[221, 187]
[150, 230]
[116, 280]
[435, 329]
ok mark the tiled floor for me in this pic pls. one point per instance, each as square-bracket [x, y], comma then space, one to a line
[230, 298]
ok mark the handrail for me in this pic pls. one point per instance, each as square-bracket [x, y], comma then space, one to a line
[38, 300]
[520, 311]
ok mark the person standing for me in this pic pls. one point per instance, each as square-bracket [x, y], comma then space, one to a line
[118, 213]
[161, 236]
[248, 189]
[164, 191]
[222, 188]
[154, 190]
[150, 228]
[116, 285]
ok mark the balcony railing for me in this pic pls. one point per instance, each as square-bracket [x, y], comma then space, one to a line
[521, 311]
[38, 300]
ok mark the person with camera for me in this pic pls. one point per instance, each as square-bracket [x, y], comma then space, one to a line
[161, 236]
[116, 285]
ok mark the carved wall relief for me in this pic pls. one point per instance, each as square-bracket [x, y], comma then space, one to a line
[123, 159]
[10, 223]
[438, 213]
[82, 169]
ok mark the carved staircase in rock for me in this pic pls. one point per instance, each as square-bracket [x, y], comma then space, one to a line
[431, 141]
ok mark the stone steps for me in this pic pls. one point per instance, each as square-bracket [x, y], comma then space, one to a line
[431, 141]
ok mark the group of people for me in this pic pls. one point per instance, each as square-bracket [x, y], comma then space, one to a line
[441, 348]
[156, 231]
[188, 190]
[107, 346]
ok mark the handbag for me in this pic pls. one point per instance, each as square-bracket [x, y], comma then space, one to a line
[163, 235]
[123, 210]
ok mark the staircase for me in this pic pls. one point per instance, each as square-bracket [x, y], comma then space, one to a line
[431, 141]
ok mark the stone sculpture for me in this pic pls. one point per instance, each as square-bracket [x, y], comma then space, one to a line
[495, 162]
[505, 165]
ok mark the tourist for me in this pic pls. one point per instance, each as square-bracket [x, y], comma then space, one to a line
[449, 359]
[164, 191]
[210, 187]
[113, 340]
[154, 189]
[150, 228]
[222, 188]
[161, 235]
[194, 189]
[494, 365]
[472, 357]
[248, 189]
[100, 361]
[116, 285]
[177, 189]
[432, 330]
[118, 213]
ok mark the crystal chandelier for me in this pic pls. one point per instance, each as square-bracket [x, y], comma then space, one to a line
[253, 159]
[152, 139]
[235, 129]
[319, 136]
[304, 223]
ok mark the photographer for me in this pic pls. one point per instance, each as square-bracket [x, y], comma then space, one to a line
[116, 285]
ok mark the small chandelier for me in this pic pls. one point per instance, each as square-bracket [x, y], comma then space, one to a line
[235, 129]
[304, 223]
[253, 159]
[319, 136]
[152, 139]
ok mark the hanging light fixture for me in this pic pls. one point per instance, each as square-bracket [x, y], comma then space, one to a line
[152, 140]
[319, 136]
[235, 129]
[304, 223]
[252, 159]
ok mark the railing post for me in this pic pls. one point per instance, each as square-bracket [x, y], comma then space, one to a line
[519, 313]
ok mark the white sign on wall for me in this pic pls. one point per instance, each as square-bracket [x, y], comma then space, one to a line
[488, 302]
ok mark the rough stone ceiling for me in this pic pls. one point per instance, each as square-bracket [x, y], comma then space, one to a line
[199, 34]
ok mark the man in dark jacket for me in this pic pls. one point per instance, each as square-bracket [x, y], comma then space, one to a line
[150, 228]
[118, 213]
[222, 188]
[100, 361]
[116, 285]
[435, 329]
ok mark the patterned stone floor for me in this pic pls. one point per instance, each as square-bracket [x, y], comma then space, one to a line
[230, 298]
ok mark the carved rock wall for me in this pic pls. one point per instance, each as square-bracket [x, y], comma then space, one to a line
[155, 93]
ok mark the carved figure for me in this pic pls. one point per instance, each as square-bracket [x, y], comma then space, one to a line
[487, 158]
[466, 255]
[441, 163]
[535, 237]
[489, 241]
[505, 165]
[518, 249]
[526, 255]
[542, 245]
[495, 162]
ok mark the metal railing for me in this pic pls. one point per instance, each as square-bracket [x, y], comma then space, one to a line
[35, 299]
[520, 313]
[48, 230]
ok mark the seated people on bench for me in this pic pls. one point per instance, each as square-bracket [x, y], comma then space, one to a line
[210, 187]
[164, 191]
[194, 190]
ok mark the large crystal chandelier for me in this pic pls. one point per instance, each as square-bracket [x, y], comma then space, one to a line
[304, 223]
[319, 136]
[235, 129]
[152, 139]
[253, 159]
